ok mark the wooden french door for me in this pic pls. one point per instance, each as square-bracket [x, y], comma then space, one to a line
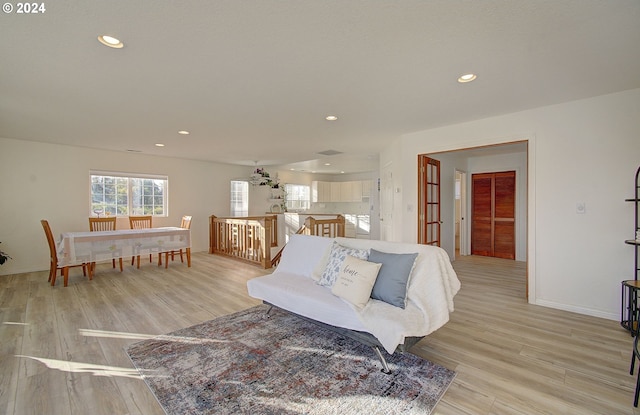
[493, 214]
[428, 201]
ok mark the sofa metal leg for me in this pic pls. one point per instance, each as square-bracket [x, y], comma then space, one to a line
[385, 366]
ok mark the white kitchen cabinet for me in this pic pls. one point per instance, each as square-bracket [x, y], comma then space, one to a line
[356, 191]
[320, 192]
[335, 192]
[350, 223]
[366, 188]
[346, 191]
[352, 191]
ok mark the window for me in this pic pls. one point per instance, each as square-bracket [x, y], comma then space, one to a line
[239, 198]
[122, 195]
[298, 197]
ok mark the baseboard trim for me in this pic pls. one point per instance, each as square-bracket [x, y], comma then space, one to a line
[578, 310]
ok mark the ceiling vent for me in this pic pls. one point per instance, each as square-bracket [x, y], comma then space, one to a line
[329, 152]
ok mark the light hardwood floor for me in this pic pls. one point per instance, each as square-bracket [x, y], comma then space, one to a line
[62, 349]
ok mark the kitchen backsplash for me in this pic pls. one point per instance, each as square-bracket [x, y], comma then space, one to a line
[341, 207]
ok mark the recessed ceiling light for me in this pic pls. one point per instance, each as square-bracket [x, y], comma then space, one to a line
[183, 132]
[467, 78]
[327, 164]
[331, 118]
[110, 41]
[159, 145]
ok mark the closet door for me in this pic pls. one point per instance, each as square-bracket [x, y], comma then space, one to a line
[481, 214]
[493, 214]
[504, 241]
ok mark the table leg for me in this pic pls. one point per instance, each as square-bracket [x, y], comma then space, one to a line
[188, 257]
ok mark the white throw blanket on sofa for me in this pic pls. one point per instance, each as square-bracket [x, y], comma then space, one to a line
[432, 285]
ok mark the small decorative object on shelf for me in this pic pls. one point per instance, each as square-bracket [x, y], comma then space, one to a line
[631, 288]
[4, 257]
[259, 177]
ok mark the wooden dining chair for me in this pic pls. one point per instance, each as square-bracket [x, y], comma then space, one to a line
[140, 222]
[104, 224]
[53, 255]
[185, 223]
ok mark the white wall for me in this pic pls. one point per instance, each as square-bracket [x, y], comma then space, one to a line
[48, 181]
[582, 151]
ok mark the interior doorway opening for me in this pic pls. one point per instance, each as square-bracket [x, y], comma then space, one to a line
[457, 166]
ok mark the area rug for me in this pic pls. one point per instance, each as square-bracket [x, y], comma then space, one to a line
[252, 362]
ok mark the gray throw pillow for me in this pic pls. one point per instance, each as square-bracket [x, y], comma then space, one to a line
[391, 284]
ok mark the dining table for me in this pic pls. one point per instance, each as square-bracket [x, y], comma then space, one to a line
[77, 248]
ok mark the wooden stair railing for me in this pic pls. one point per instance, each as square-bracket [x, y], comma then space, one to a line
[251, 238]
[330, 228]
[320, 227]
[248, 238]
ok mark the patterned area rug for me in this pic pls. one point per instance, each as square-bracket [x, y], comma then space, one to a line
[252, 362]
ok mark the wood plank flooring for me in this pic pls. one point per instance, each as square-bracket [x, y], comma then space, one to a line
[62, 349]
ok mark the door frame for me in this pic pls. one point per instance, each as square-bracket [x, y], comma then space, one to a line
[429, 201]
[462, 214]
[386, 202]
[529, 214]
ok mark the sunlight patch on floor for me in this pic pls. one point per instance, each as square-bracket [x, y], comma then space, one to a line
[80, 367]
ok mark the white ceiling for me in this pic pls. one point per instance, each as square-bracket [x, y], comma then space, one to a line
[253, 80]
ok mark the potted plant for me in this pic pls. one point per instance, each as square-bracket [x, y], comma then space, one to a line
[4, 257]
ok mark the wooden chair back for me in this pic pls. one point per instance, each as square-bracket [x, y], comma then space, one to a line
[186, 222]
[102, 224]
[140, 222]
[53, 254]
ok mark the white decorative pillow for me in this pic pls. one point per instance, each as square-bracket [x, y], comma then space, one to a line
[336, 258]
[316, 274]
[355, 281]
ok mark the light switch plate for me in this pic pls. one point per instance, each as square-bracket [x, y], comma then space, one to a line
[581, 208]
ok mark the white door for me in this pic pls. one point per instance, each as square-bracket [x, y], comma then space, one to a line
[386, 203]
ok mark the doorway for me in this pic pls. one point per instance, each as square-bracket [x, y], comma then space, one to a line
[459, 165]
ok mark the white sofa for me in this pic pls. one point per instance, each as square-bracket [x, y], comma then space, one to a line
[294, 287]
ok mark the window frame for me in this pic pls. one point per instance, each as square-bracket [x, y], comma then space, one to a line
[132, 208]
[301, 204]
[245, 200]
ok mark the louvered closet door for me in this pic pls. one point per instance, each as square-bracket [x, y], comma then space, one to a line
[493, 214]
